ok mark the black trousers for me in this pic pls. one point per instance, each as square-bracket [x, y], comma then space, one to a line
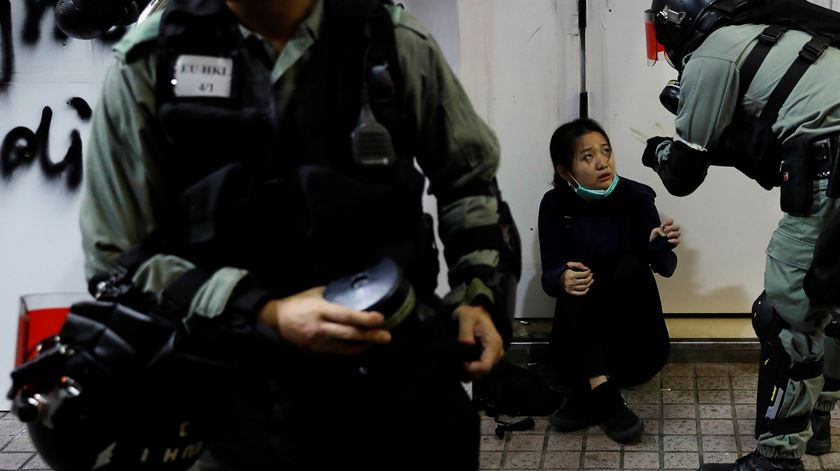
[616, 329]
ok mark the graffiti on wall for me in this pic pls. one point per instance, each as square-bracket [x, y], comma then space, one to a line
[22, 147]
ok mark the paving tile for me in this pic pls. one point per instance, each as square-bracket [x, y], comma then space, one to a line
[564, 441]
[711, 369]
[647, 411]
[524, 442]
[744, 411]
[830, 460]
[744, 396]
[20, 443]
[681, 460]
[10, 425]
[522, 459]
[651, 426]
[717, 427]
[601, 443]
[678, 369]
[746, 381]
[679, 443]
[746, 427]
[719, 443]
[748, 442]
[602, 459]
[491, 443]
[679, 411]
[490, 460]
[13, 460]
[714, 457]
[679, 427]
[738, 368]
[714, 396]
[561, 460]
[679, 396]
[488, 426]
[678, 382]
[642, 397]
[5, 439]
[540, 426]
[716, 411]
[641, 460]
[647, 443]
[36, 463]
[813, 462]
[713, 382]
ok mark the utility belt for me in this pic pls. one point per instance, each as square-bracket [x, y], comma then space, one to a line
[806, 161]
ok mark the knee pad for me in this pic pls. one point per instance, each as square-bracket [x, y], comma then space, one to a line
[766, 322]
[776, 373]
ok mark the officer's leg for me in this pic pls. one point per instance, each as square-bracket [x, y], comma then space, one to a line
[820, 443]
[789, 380]
[789, 256]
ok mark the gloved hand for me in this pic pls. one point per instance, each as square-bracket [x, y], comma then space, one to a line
[649, 157]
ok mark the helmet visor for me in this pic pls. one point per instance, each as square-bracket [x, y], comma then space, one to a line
[654, 47]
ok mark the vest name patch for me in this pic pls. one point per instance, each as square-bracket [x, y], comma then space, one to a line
[203, 76]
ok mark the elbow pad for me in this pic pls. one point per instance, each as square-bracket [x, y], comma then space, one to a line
[684, 169]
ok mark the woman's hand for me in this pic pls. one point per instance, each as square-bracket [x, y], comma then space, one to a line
[668, 230]
[577, 279]
[318, 326]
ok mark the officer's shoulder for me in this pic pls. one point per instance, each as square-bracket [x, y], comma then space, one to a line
[406, 22]
[140, 38]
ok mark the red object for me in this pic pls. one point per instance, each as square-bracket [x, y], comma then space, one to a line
[654, 47]
[34, 326]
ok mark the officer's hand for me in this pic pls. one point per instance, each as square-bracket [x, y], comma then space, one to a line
[318, 326]
[577, 279]
[649, 156]
[474, 322]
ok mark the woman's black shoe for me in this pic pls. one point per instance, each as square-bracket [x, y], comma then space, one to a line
[573, 414]
[608, 409]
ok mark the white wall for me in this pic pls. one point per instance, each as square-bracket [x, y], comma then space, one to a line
[40, 247]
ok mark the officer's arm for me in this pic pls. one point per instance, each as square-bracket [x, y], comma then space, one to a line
[460, 155]
[122, 195]
[708, 98]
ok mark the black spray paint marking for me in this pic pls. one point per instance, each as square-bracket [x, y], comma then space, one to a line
[35, 10]
[81, 107]
[7, 49]
[21, 147]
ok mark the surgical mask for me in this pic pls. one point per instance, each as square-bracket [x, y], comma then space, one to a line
[593, 195]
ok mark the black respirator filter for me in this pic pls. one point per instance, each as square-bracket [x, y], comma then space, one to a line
[381, 288]
[88, 19]
[670, 96]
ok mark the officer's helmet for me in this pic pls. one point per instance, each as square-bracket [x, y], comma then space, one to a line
[101, 395]
[680, 26]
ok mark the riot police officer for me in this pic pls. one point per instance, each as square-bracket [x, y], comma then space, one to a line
[759, 97]
[244, 154]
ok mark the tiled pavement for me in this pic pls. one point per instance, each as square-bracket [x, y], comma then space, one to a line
[694, 413]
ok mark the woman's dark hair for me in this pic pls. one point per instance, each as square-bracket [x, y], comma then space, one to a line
[564, 143]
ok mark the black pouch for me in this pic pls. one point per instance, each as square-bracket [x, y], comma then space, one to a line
[797, 189]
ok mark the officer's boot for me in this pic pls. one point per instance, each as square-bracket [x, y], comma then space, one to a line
[820, 443]
[756, 462]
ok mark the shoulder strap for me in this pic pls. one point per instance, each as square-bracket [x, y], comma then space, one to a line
[809, 54]
[768, 38]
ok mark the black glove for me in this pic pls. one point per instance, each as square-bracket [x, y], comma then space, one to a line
[649, 157]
